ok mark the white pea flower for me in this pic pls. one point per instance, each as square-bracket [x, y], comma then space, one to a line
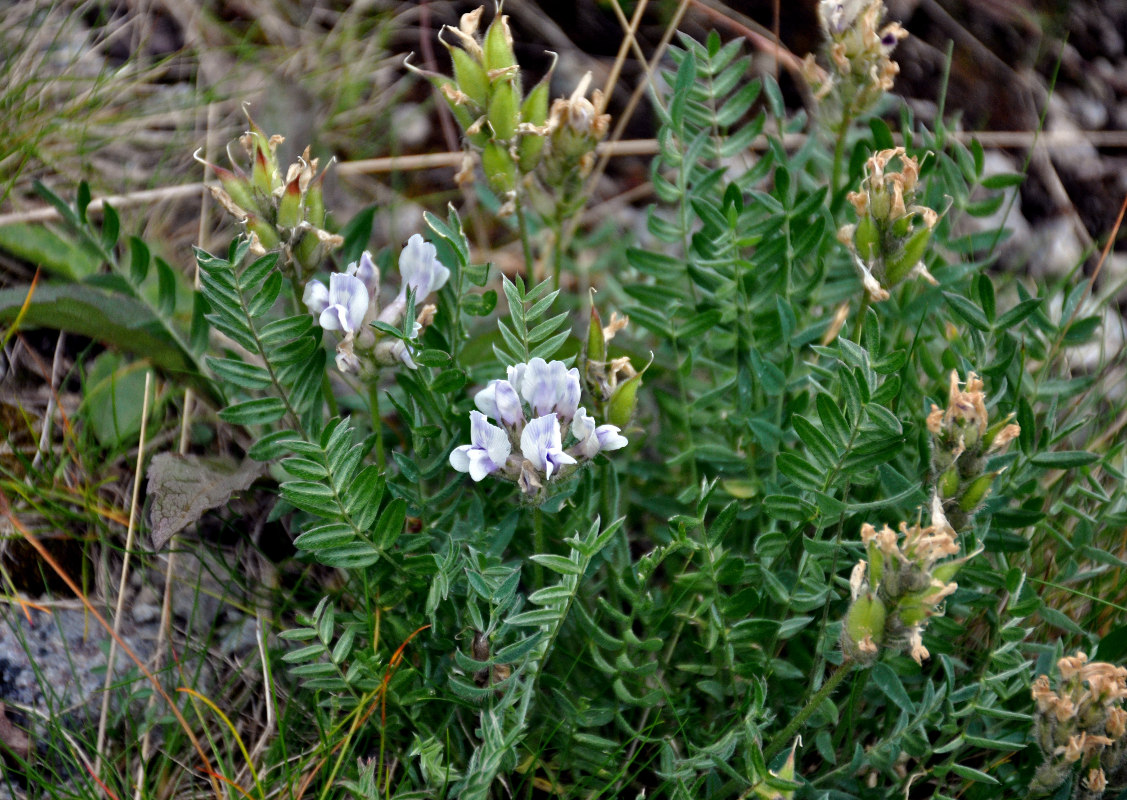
[489, 448]
[594, 440]
[366, 271]
[541, 445]
[315, 297]
[347, 304]
[500, 400]
[551, 388]
[420, 268]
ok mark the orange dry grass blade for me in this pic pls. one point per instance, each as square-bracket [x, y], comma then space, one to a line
[98, 781]
[33, 540]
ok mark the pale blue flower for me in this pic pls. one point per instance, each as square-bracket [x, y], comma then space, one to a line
[541, 444]
[500, 401]
[489, 448]
[594, 440]
[316, 297]
[420, 268]
[368, 273]
[550, 388]
[347, 303]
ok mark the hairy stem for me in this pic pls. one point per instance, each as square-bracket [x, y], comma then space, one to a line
[779, 742]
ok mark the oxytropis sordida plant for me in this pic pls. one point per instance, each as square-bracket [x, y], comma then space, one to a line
[680, 630]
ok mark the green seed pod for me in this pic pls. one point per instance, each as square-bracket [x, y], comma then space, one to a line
[864, 620]
[470, 77]
[596, 342]
[499, 167]
[623, 401]
[912, 609]
[901, 263]
[901, 227]
[265, 167]
[307, 252]
[876, 563]
[504, 113]
[236, 188]
[289, 208]
[315, 202]
[498, 46]
[866, 238]
[534, 109]
[975, 493]
[947, 570]
[529, 149]
[880, 204]
[949, 483]
[266, 234]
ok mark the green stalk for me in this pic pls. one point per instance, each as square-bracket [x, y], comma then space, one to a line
[539, 544]
[779, 742]
[839, 157]
[525, 242]
[377, 424]
[862, 312]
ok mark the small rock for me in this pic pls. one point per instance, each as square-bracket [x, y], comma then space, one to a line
[1056, 248]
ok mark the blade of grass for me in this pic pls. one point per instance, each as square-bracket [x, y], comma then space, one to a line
[119, 608]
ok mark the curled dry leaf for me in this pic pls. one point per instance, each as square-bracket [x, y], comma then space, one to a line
[182, 488]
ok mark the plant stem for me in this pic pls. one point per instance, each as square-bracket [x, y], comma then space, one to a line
[557, 257]
[539, 543]
[862, 312]
[377, 423]
[839, 157]
[780, 740]
[525, 242]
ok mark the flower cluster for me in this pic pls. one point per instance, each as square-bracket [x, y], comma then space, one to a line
[350, 303]
[892, 232]
[962, 439]
[575, 127]
[858, 50]
[536, 411]
[278, 212]
[508, 130]
[1082, 722]
[514, 134]
[900, 587]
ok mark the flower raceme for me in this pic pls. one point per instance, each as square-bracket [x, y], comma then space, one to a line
[859, 51]
[900, 587]
[283, 212]
[1083, 722]
[541, 431]
[350, 303]
[892, 233]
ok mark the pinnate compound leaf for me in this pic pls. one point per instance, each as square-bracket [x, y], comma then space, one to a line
[184, 487]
